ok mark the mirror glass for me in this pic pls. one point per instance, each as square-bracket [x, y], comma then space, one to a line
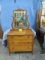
[20, 18]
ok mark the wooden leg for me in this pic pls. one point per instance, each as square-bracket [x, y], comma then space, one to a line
[9, 52]
[32, 52]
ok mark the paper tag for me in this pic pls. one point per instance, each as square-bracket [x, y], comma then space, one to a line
[20, 30]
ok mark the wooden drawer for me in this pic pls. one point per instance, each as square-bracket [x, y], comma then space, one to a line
[20, 40]
[20, 43]
[19, 37]
[20, 48]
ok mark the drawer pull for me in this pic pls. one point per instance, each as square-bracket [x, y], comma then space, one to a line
[28, 42]
[12, 47]
[11, 37]
[12, 42]
[28, 47]
[28, 36]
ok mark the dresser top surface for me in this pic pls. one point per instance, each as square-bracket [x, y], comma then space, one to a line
[23, 32]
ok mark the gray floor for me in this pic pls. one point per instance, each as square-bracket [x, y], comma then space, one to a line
[4, 55]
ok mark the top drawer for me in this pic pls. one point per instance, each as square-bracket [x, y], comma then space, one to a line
[20, 37]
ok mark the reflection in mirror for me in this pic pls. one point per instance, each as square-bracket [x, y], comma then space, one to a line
[20, 18]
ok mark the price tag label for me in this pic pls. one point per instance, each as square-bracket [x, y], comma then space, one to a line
[20, 30]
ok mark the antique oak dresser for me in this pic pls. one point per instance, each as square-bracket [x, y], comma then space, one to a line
[20, 41]
[20, 38]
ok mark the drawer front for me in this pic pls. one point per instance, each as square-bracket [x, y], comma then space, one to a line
[19, 37]
[20, 48]
[20, 40]
[19, 43]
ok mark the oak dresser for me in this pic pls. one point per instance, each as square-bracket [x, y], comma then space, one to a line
[20, 41]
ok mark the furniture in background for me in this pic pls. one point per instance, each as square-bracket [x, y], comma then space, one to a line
[1, 32]
[39, 32]
[20, 38]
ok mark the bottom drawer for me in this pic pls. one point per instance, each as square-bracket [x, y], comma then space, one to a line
[20, 48]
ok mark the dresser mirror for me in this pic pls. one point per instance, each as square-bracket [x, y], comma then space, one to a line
[20, 18]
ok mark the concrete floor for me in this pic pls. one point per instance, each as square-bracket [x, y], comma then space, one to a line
[4, 55]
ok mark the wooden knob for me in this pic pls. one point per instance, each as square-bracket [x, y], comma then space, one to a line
[12, 47]
[28, 47]
[12, 42]
[28, 36]
[28, 42]
[11, 37]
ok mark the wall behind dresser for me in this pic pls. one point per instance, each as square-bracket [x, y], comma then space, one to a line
[7, 11]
